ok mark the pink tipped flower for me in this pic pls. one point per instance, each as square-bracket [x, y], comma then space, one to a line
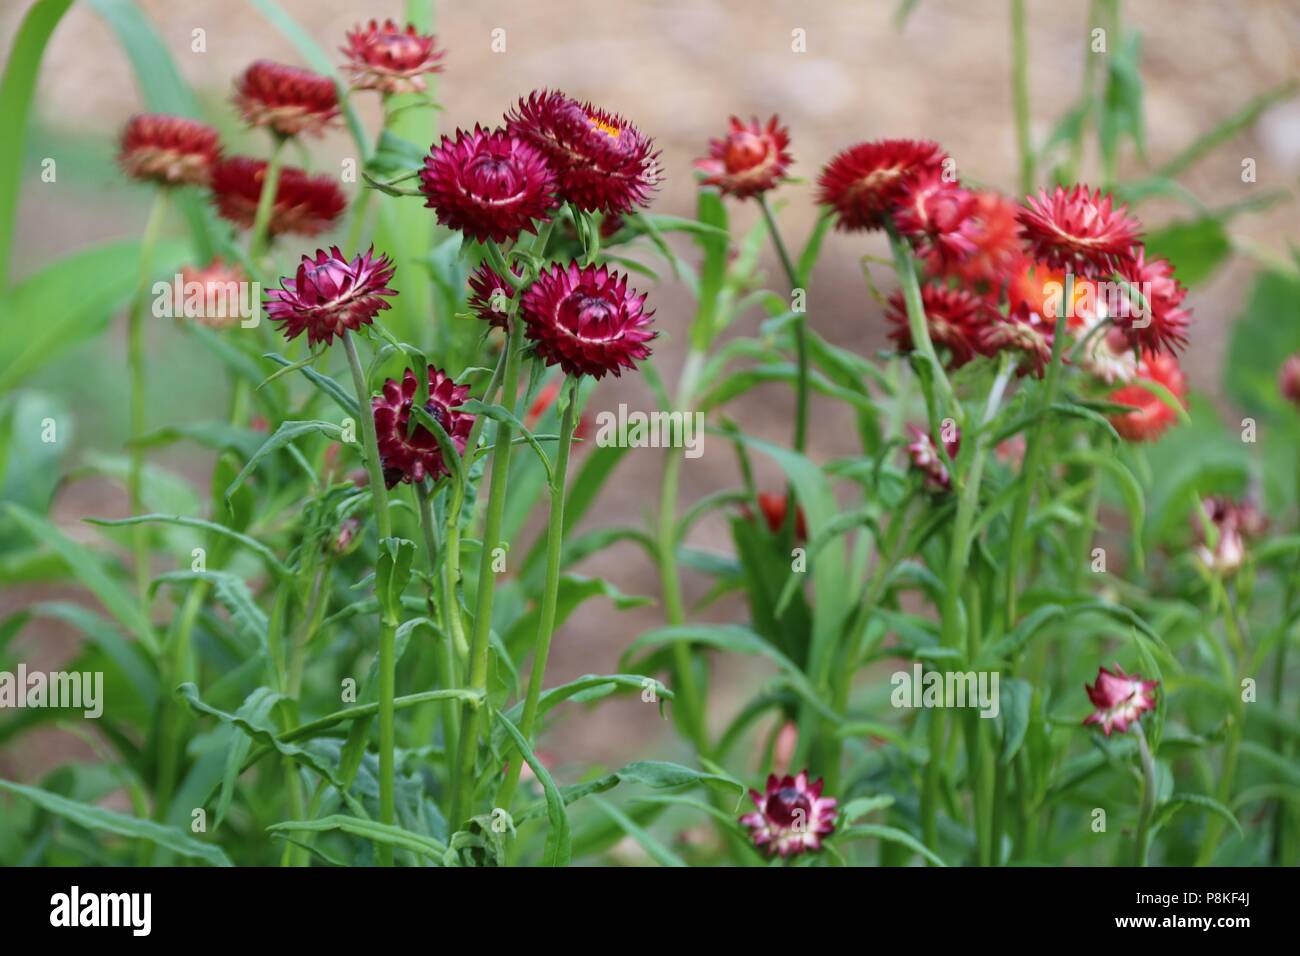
[412, 456]
[389, 59]
[220, 293]
[939, 218]
[865, 183]
[1120, 699]
[1289, 380]
[1029, 334]
[286, 99]
[792, 815]
[750, 160]
[954, 318]
[1150, 417]
[995, 233]
[304, 204]
[168, 150]
[587, 321]
[491, 294]
[330, 294]
[603, 163]
[926, 458]
[1078, 231]
[489, 185]
[1233, 524]
[1154, 320]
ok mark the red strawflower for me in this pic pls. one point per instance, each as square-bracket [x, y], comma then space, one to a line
[221, 293]
[792, 815]
[331, 294]
[1120, 699]
[926, 458]
[286, 99]
[1078, 231]
[169, 150]
[1029, 334]
[390, 59]
[304, 204]
[411, 456]
[953, 316]
[603, 163]
[1036, 293]
[1288, 381]
[586, 321]
[491, 293]
[773, 507]
[749, 160]
[865, 183]
[488, 185]
[995, 233]
[938, 217]
[1159, 324]
[1150, 417]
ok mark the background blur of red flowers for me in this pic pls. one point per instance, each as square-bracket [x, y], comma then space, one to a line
[678, 69]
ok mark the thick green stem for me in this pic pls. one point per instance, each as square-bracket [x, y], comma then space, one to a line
[260, 236]
[1236, 728]
[1020, 93]
[1148, 797]
[800, 329]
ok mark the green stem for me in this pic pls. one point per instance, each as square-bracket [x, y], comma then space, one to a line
[919, 328]
[260, 236]
[1236, 728]
[800, 329]
[1148, 796]
[1020, 93]
[452, 625]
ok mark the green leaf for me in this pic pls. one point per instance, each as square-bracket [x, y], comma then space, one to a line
[657, 851]
[1260, 341]
[503, 416]
[393, 836]
[325, 383]
[286, 433]
[109, 821]
[1196, 248]
[890, 835]
[129, 658]
[392, 573]
[1196, 801]
[234, 595]
[273, 564]
[1016, 696]
[559, 839]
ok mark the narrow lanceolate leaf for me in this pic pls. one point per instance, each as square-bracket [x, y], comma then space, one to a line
[656, 774]
[287, 433]
[559, 839]
[393, 836]
[235, 596]
[657, 851]
[109, 821]
[273, 564]
[891, 835]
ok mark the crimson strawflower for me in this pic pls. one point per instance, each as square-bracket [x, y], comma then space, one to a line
[1150, 417]
[305, 204]
[938, 217]
[1120, 699]
[587, 321]
[411, 456]
[953, 317]
[749, 160]
[865, 183]
[389, 59]
[602, 162]
[1078, 231]
[1029, 334]
[792, 816]
[1159, 323]
[488, 185]
[286, 99]
[490, 293]
[331, 294]
[168, 150]
[994, 231]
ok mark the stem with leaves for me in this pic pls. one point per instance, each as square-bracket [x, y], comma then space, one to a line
[800, 329]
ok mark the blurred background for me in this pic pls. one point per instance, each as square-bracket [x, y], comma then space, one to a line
[677, 69]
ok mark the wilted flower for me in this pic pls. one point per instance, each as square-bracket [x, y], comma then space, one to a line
[587, 321]
[1159, 323]
[926, 458]
[331, 294]
[1289, 380]
[749, 160]
[411, 456]
[389, 59]
[1233, 523]
[168, 150]
[491, 293]
[489, 185]
[792, 815]
[865, 183]
[286, 99]
[1150, 416]
[953, 317]
[304, 204]
[938, 217]
[1120, 699]
[774, 507]
[1078, 230]
[603, 163]
[220, 299]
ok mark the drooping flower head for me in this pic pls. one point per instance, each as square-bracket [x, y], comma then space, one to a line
[995, 233]
[954, 318]
[1152, 319]
[926, 458]
[938, 217]
[286, 99]
[305, 204]
[491, 292]
[411, 456]
[865, 183]
[792, 816]
[587, 321]
[389, 59]
[1078, 231]
[1288, 381]
[774, 508]
[1120, 699]
[489, 185]
[603, 163]
[220, 299]
[749, 160]
[1150, 417]
[1221, 528]
[330, 294]
[168, 150]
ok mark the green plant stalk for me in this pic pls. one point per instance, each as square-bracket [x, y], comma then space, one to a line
[446, 603]
[550, 596]
[260, 235]
[1214, 825]
[917, 325]
[800, 329]
[463, 778]
[1020, 93]
[136, 363]
[1148, 796]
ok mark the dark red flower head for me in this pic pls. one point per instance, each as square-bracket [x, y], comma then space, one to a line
[1120, 699]
[750, 160]
[330, 294]
[926, 458]
[1155, 320]
[587, 321]
[1150, 417]
[1028, 333]
[390, 59]
[1078, 231]
[603, 163]
[411, 456]
[491, 293]
[995, 233]
[488, 185]
[169, 150]
[286, 99]
[774, 507]
[792, 815]
[304, 204]
[938, 217]
[954, 318]
[865, 183]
